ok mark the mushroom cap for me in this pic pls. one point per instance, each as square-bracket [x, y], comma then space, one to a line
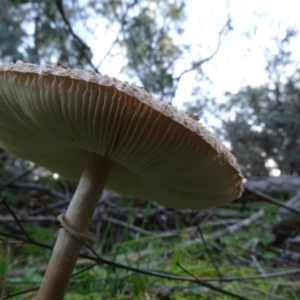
[56, 117]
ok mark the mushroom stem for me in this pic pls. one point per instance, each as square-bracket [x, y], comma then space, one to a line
[78, 217]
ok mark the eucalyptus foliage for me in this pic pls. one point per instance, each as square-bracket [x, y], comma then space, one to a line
[265, 124]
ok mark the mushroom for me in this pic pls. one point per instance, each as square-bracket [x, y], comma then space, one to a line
[108, 133]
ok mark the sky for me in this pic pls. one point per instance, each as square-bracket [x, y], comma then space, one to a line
[240, 60]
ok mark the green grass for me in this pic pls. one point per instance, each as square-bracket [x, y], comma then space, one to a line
[157, 254]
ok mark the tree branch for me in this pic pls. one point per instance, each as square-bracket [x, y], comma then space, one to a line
[83, 47]
[227, 27]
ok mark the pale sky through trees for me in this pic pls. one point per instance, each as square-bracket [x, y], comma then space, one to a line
[240, 60]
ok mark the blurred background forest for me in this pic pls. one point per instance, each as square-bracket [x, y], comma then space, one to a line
[235, 64]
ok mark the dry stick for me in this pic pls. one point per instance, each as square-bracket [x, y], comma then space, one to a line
[232, 228]
[164, 234]
[37, 187]
[8, 219]
[37, 287]
[5, 184]
[229, 229]
[212, 287]
[122, 21]
[270, 296]
[231, 255]
[279, 261]
[195, 65]
[16, 219]
[273, 200]
[245, 222]
[129, 226]
[159, 274]
[210, 257]
[254, 259]
[76, 222]
[82, 45]
[25, 240]
[292, 202]
[207, 250]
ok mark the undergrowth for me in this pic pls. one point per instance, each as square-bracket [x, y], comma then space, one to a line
[142, 241]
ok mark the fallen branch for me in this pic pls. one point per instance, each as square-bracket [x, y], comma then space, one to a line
[230, 229]
[292, 202]
[285, 184]
[273, 200]
[101, 260]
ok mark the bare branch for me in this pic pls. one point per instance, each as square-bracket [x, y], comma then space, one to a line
[212, 287]
[159, 274]
[122, 20]
[273, 200]
[35, 187]
[16, 219]
[227, 27]
[3, 185]
[81, 44]
[292, 202]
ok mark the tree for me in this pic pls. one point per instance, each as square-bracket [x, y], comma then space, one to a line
[264, 130]
[147, 34]
[150, 48]
[39, 32]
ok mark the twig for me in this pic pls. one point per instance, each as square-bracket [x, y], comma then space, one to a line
[159, 274]
[83, 46]
[232, 255]
[227, 27]
[122, 23]
[9, 219]
[37, 287]
[273, 200]
[4, 184]
[31, 242]
[272, 259]
[228, 214]
[21, 292]
[37, 187]
[254, 259]
[270, 296]
[291, 283]
[208, 251]
[129, 226]
[230, 229]
[169, 233]
[292, 202]
[16, 219]
[212, 287]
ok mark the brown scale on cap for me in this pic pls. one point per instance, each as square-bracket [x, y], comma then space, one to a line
[193, 116]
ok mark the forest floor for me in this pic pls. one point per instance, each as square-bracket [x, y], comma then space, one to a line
[245, 250]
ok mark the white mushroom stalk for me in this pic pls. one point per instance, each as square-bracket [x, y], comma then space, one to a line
[74, 232]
